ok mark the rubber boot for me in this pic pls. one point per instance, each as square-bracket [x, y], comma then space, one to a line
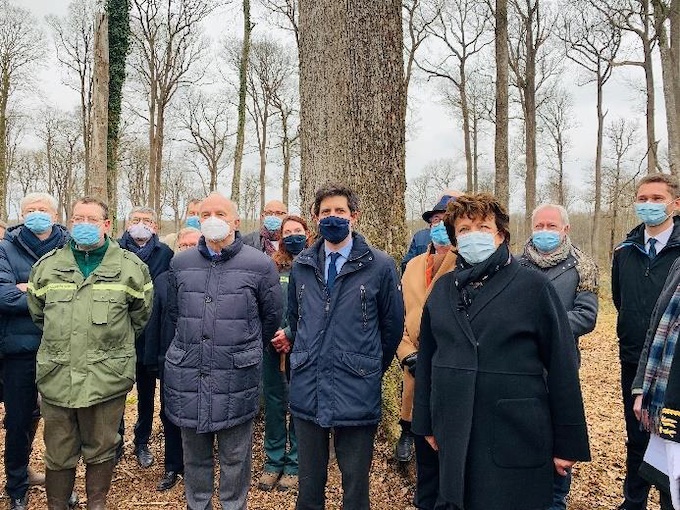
[59, 488]
[34, 477]
[97, 483]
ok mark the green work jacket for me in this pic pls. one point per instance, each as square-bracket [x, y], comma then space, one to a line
[87, 352]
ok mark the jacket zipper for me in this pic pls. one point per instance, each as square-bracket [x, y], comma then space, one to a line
[302, 290]
[364, 312]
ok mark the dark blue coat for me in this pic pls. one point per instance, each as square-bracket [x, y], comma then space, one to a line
[18, 334]
[159, 330]
[418, 246]
[224, 309]
[343, 342]
[158, 263]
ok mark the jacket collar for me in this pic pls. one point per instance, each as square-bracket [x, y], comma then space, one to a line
[226, 253]
[315, 254]
[109, 267]
[636, 237]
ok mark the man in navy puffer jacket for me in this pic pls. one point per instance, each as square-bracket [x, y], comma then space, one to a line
[22, 247]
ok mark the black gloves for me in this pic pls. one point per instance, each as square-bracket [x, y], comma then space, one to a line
[409, 362]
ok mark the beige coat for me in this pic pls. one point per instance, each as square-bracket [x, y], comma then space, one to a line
[416, 291]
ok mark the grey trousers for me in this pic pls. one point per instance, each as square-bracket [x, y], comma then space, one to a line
[234, 446]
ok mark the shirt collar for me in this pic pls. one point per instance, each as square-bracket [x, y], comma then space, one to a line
[344, 251]
[661, 237]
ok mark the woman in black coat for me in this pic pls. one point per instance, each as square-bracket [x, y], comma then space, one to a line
[497, 389]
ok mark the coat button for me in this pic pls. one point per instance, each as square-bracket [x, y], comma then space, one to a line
[205, 337]
[208, 299]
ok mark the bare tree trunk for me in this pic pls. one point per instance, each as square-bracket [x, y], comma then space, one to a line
[263, 156]
[352, 108]
[502, 181]
[530, 127]
[4, 97]
[561, 198]
[465, 112]
[475, 152]
[243, 86]
[158, 160]
[597, 210]
[652, 144]
[153, 106]
[286, 153]
[97, 182]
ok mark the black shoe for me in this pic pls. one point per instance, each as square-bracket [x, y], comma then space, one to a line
[405, 446]
[119, 453]
[144, 456]
[169, 480]
[19, 503]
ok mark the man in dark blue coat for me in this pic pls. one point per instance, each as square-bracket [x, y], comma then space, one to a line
[141, 239]
[225, 299]
[347, 316]
[21, 248]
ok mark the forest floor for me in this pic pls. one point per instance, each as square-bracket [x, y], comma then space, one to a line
[596, 485]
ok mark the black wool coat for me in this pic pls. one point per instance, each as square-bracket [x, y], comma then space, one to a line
[497, 385]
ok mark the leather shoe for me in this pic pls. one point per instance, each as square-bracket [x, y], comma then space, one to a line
[169, 480]
[144, 456]
[405, 447]
[19, 503]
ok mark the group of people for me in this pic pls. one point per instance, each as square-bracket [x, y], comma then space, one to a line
[488, 343]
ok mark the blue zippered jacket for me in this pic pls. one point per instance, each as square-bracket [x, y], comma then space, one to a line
[343, 342]
[18, 334]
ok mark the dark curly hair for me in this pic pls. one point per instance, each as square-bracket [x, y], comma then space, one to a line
[477, 206]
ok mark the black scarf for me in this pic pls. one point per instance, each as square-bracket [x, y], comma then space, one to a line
[143, 252]
[38, 247]
[471, 278]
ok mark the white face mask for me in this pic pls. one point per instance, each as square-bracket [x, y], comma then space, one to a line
[215, 229]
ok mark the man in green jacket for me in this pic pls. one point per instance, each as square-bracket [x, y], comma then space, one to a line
[90, 298]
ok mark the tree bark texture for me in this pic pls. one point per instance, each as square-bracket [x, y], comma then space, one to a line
[243, 87]
[352, 97]
[97, 180]
[502, 182]
[597, 209]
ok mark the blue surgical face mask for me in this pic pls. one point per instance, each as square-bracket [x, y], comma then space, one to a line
[295, 243]
[438, 234]
[272, 223]
[476, 247]
[38, 222]
[334, 229]
[546, 240]
[193, 221]
[85, 234]
[651, 213]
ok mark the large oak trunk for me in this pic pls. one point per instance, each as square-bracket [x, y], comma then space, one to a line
[352, 114]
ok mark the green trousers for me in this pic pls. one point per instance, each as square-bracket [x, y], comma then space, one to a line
[278, 430]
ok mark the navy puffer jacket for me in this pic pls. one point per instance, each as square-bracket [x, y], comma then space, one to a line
[223, 308]
[344, 341]
[18, 334]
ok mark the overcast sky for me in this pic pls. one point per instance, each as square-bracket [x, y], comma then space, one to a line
[433, 131]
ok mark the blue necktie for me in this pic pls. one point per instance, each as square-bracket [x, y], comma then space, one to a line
[332, 271]
[652, 248]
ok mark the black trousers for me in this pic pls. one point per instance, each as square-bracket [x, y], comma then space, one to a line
[146, 393]
[21, 404]
[174, 455]
[354, 453]
[635, 488]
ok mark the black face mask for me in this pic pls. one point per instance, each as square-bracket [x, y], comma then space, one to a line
[334, 229]
[295, 243]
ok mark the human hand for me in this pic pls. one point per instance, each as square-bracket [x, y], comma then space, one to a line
[22, 286]
[280, 342]
[432, 442]
[562, 466]
[640, 414]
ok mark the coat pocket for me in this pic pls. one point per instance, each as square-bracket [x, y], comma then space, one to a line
[521, 433]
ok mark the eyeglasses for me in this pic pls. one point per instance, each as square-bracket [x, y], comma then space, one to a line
[275, 213]
[88, 219]
[146, 221]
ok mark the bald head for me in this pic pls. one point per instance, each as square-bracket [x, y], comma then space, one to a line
[275, 208]
[218, 200]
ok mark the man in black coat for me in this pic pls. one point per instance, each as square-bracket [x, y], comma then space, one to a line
[21, 248]
[639, 268]
[267, 238]
[141, 239]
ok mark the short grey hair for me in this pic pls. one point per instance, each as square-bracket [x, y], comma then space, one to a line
[31, 198]
[143, 210]
[564, 215]
[186, 231]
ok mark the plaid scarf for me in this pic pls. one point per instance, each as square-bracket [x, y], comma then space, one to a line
[659, 361]
[267, 238]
